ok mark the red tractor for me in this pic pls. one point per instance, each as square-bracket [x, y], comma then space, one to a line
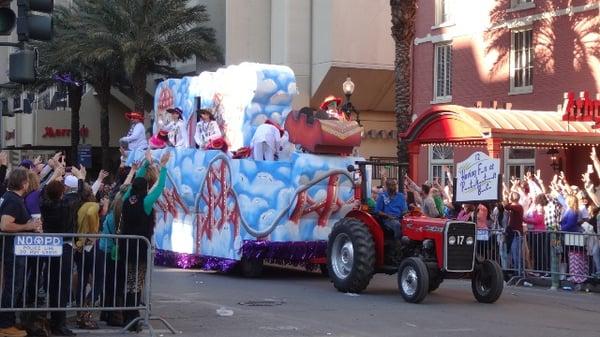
[429, 251]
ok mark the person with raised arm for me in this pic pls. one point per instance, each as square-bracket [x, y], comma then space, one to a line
[137, 218]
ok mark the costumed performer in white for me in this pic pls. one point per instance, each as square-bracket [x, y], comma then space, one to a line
[207, 129]
[178, 135]
[266, 141]
[136, 137]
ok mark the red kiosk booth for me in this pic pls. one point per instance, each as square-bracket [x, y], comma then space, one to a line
[491, 130]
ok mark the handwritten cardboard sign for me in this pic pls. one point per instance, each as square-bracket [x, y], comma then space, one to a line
[477, 178]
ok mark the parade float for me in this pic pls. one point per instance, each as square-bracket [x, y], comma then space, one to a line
[217, 211]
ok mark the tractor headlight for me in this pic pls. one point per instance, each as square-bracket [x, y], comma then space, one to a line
[452, 240]
[470, 240]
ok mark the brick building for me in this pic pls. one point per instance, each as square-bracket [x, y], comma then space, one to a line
[522, 54]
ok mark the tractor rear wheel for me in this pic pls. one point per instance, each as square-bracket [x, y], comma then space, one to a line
[413, 280]
[487, 282]
[350, 255]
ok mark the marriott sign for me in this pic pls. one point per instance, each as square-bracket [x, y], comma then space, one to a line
[584, 109]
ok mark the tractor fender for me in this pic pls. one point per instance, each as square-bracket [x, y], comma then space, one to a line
[376, 232]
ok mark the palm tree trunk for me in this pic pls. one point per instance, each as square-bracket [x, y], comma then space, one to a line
[103, 91]
[75, 95]
[403, 32]
[139, 88]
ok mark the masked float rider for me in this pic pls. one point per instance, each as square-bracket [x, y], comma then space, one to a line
[207, 129]
[330, 106]
[178, 135]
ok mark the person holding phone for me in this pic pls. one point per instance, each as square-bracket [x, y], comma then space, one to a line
[14, 218]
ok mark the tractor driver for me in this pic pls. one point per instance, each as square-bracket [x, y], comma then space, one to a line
[391, 205]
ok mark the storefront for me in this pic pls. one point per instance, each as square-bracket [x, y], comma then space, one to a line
[524, 141]
[47, 130]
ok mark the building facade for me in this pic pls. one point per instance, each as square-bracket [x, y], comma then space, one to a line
[324, 42]
[39, 124]
[510, 54]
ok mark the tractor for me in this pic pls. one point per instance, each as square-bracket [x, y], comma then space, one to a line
[428, 251]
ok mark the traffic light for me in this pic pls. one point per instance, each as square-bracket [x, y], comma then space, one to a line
[34, 26]
[7, 20]
[21, 66]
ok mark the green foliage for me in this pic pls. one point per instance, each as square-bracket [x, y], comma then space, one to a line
[147, 34]
[94, 36]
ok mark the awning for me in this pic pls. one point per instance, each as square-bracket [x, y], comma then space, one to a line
[458, 125]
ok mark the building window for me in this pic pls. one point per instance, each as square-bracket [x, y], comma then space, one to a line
[518, 162]
[440, 156]
[519, 3]
[521, 72]
[4, 107]
[443, 72]
[443, 12]
[17, 102]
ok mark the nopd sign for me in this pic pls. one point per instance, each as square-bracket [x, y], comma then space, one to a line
[477, 179]
[38, 245]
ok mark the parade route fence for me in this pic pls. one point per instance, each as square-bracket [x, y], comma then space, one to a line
[570, 256]
[113, 273]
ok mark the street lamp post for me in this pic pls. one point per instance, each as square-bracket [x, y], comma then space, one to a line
[555, 162]
[348, 88]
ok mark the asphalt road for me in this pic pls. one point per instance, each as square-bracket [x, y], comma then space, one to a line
[291, 303]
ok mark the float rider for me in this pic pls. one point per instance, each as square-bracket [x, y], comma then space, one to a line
[330, 106]
[136, 137]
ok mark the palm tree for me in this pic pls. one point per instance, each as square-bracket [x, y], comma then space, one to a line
[403, 32]
[50, 66]
[148, 35]
[80, 59]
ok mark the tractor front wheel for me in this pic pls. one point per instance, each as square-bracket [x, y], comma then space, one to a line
[487, 282]
[413, 280]
[350, 255]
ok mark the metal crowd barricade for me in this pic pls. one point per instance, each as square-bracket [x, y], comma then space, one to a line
[566, 256]
[37, 272]
[572, 256]
[492, 244]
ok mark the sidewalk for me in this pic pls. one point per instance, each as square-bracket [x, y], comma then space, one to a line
[546, 282]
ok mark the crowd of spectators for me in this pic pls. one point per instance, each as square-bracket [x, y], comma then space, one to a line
[49, 197]
[534, 222]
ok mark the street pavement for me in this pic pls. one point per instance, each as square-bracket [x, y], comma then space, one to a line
[296, 303]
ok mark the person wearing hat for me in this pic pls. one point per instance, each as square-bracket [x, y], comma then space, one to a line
[136, 137]
[207, 129]
[266, 141]
[159, 140]
[177, 128]
[330, 106]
